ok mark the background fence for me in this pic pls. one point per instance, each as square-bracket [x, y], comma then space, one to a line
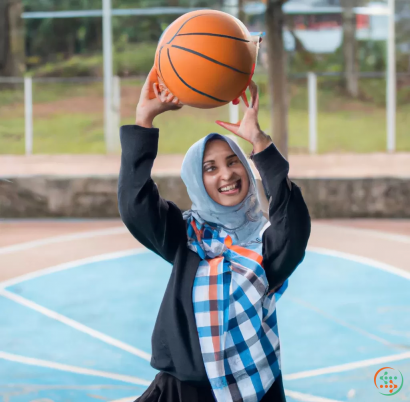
[66, 115]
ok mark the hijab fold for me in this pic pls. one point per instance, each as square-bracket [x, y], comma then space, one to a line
[243, 222]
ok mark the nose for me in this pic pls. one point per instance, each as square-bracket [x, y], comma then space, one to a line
[226, 174]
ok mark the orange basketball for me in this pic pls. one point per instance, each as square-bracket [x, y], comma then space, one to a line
[206, 58]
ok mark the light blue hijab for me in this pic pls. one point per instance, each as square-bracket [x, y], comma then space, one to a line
[245, 221]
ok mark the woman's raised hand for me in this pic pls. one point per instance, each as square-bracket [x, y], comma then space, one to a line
[155, 99]
[248, 128]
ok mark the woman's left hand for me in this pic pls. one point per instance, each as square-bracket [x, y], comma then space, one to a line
[248, 128]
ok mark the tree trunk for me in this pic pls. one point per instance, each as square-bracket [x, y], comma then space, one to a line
[12, 50]
[350, 62]
[241, 11]
[308, 58]
[277, 75]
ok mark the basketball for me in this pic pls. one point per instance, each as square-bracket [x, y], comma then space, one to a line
[206, 58]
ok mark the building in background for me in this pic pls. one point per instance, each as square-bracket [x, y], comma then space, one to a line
[318, 23]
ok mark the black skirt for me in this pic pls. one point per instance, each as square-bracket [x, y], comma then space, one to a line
[167, 388]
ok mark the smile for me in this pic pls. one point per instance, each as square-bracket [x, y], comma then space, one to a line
[231, 188]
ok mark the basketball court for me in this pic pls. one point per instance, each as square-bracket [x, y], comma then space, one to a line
[78, 302]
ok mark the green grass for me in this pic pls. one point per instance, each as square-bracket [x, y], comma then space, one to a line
[58, 134]
[343, 125]
[129, 60]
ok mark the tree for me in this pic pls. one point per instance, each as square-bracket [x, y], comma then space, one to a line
[241, 11]
[11, 38]
[350, 59]
[403, 34]
[274, 20]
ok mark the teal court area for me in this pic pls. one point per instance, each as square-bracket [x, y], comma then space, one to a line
[81, 331]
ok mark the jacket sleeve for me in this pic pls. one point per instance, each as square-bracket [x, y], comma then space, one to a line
[153, 221]
[285, 240]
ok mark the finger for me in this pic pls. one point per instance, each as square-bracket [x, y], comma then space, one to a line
[233, 128]
[245, 98]
[156, 92]
[254, 94]
[256, 105]
[177, 101]
[152, 75]
[161, 82]
[164, 95]
[144, 89]
[169, 97]
[148, 85]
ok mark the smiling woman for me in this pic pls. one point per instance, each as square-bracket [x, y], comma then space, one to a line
[230, 263]
[225, 178]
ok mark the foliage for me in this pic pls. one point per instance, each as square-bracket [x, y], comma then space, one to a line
[54, 40]
[372, 57]
[343, 125]
[130, 59]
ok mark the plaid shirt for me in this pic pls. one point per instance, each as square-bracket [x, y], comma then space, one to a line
[235, 316]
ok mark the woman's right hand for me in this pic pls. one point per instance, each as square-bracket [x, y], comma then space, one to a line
[155, 99]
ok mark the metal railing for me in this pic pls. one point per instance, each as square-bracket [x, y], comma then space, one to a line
[112, 140]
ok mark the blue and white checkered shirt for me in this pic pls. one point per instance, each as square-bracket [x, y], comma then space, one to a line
[235, 316]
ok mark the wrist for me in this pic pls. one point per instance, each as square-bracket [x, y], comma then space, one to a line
[144, 121]
[261, 142]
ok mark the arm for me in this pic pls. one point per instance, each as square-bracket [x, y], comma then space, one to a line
[153, 221]
[156, 223]
[285, 240]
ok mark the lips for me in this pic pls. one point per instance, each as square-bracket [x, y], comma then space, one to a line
[231, 188]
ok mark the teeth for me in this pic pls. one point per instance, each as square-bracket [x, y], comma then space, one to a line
[231, 187]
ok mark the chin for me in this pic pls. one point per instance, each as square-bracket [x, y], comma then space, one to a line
[232, 201]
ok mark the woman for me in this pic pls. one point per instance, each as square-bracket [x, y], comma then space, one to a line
[216, 336]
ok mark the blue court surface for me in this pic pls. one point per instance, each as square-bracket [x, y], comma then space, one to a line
[81, 331]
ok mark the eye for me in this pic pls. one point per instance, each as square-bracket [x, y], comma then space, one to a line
[209, 168]
[233, 162]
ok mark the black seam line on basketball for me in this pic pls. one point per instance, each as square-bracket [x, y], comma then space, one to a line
[209, 58]
[195, 16]
[211, 34]
[189, 86]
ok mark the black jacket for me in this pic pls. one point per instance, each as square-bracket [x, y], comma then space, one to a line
[159, 226]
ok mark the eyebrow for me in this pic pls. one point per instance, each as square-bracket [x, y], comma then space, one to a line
[212, 161]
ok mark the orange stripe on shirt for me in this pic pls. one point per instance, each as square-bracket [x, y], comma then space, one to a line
[197, 232]
[247, 253]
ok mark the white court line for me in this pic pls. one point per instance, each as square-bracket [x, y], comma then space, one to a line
[347, 367]
[72, 369]
[65, 320]
[72, 264]
[75, 324]
[343, 323]
[363, 260]
[306, 397]
[298, 396]
[61, 239]
[364, 363]
[368, 232]
[311, 373]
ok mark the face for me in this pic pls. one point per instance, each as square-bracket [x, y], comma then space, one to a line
[225, 178]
